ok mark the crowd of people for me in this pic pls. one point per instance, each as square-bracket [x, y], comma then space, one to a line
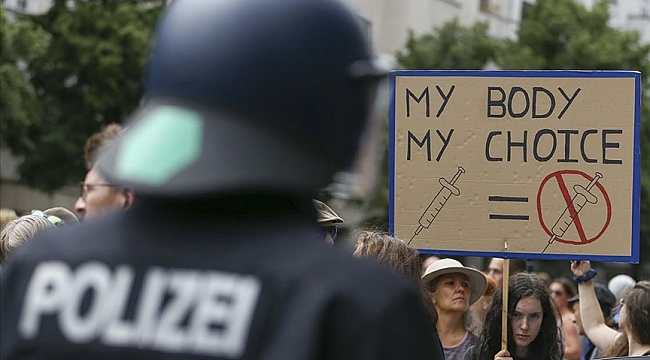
[544, 317]
[223, 251]
[547, 319]
[558, 319]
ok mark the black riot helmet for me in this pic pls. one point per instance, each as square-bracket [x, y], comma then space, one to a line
[248, 95]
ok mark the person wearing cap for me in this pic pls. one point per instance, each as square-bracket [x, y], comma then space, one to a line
[327, 220]
[217, 258]
[453, 288]
[607, 301]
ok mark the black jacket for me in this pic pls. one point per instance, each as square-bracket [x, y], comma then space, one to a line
[175, 282]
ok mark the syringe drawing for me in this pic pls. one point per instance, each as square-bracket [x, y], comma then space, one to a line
[447, 189]
[583, 195]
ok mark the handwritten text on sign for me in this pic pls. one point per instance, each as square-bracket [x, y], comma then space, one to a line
[545, 162]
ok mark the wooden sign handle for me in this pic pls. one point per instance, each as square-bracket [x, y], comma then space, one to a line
[504, 310]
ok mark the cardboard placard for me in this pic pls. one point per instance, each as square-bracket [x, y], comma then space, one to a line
[548, 161]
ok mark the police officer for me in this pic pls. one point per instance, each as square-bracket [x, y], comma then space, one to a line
[218, 259]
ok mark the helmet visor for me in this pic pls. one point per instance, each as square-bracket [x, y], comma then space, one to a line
[360, 180]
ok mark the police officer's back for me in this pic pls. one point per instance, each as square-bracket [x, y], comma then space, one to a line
[219, 258]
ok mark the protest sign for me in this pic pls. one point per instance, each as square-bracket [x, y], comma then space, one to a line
[547, 161]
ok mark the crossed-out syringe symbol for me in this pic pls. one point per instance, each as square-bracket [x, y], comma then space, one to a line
[447, 189]
[580, 199]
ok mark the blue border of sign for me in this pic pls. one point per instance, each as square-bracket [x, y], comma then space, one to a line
[636, 183]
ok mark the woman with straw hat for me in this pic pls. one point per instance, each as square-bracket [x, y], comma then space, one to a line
[453, 288]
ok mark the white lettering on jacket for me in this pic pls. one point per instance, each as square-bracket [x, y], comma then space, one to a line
[201, 312]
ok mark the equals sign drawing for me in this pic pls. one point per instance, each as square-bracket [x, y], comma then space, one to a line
[496, 198]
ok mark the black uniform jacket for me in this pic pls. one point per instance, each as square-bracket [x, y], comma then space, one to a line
[150, 284]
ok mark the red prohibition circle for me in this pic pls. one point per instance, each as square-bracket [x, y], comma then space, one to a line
[588, 178]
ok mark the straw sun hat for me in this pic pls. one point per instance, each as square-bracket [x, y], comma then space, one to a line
[477, 281]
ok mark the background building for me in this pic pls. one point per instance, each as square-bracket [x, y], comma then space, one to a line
[389, 20]
[30, 7]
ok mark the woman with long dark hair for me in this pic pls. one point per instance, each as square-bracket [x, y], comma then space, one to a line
[533, 332]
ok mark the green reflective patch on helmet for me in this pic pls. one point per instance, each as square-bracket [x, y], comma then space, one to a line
[159, 146]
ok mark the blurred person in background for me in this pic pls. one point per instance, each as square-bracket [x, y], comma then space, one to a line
[453, 288]
[392, 252]
[634, 311]
[495, 268]
[403, 259]
[6, 215]
[607, 301]
[18, 231]
[545, 277]
[562, 289]
[327, 219]
[217, 258]
[533, 333]
[96, 195]
[428, 261]
[479, 308]
[620, 285]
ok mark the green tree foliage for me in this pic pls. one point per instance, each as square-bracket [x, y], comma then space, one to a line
[89, 75]
[557, 34]
[20, 42]
[560, 34]
[449, 47]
